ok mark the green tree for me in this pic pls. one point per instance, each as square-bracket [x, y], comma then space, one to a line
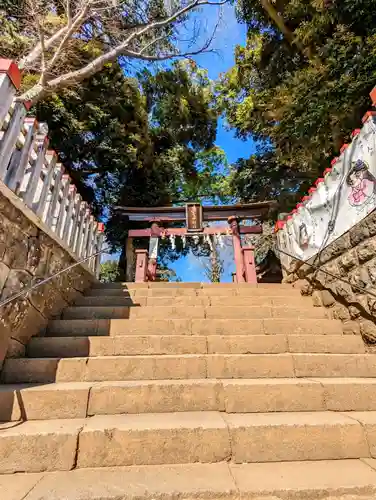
[109, 271]
[299, 87]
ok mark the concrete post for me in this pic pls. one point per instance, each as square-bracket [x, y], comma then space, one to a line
[61, 218]
[68, 224]
[75, 222]
[10, 137]
[141, 265]
[80, 228]
[88, 236]
[238, 254]
[35, 175]
[100, 240]
[21, 156]
[40, 205]
[250, 265]
[97, 262]
[50, 215]
[84, 234]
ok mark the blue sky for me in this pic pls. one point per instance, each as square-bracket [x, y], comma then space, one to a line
[229, 34]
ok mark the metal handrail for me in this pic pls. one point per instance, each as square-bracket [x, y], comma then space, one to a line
[49, 278]
[108, 250]
[317, 268]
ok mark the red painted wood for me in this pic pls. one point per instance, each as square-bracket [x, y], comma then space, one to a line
[368, 115]
[250, 265]
[372, 95]
[238, 253]
[319, 180]
[11, 69]
[141, 265]
[181, 231]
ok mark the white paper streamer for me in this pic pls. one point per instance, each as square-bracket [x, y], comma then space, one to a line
[172, 241]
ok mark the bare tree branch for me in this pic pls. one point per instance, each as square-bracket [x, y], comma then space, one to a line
[287, 33]
[145, 37]
[68, 12]
[36, 51]
[37, 17]
[77, 22]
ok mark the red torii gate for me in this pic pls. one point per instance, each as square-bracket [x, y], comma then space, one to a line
[194, 215]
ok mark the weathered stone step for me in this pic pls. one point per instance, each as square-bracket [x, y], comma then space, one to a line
[194, 312]
[83, 399]
[205, 301]
[152, 285]
[327, 479]
[187, 366]
[40, 347]
[150, 439]
[110, 301]
[189, 285]
[276, 291]
[148, 326]
[179, 438]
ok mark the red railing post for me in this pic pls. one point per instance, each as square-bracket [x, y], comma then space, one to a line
[141, 265]
[250, 265]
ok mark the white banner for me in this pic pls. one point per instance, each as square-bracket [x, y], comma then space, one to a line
[345, 196]
[153, 247]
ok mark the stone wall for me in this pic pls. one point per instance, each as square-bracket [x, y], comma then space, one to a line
[29, 252]
[351, 292]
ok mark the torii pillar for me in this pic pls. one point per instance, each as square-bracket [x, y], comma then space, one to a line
[238, 253]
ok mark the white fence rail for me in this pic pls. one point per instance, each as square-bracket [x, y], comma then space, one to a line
[34, 173]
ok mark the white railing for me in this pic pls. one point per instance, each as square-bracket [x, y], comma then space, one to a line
[34, 174]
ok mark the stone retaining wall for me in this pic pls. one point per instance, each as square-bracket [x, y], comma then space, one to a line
[352, 257]
[29, 252]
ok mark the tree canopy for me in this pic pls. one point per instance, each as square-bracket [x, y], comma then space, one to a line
[299, 87]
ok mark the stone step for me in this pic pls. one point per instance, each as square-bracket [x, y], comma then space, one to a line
[189, 285]
[83, 399]
[187, 437]
[152, 285]
[187, 366]
[110, 301]
[194, 312]
[193, 300]
[195, 292]
[41, 347]
[147, 326]
[327, 479]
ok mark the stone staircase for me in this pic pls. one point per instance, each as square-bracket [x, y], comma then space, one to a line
[183, 391]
